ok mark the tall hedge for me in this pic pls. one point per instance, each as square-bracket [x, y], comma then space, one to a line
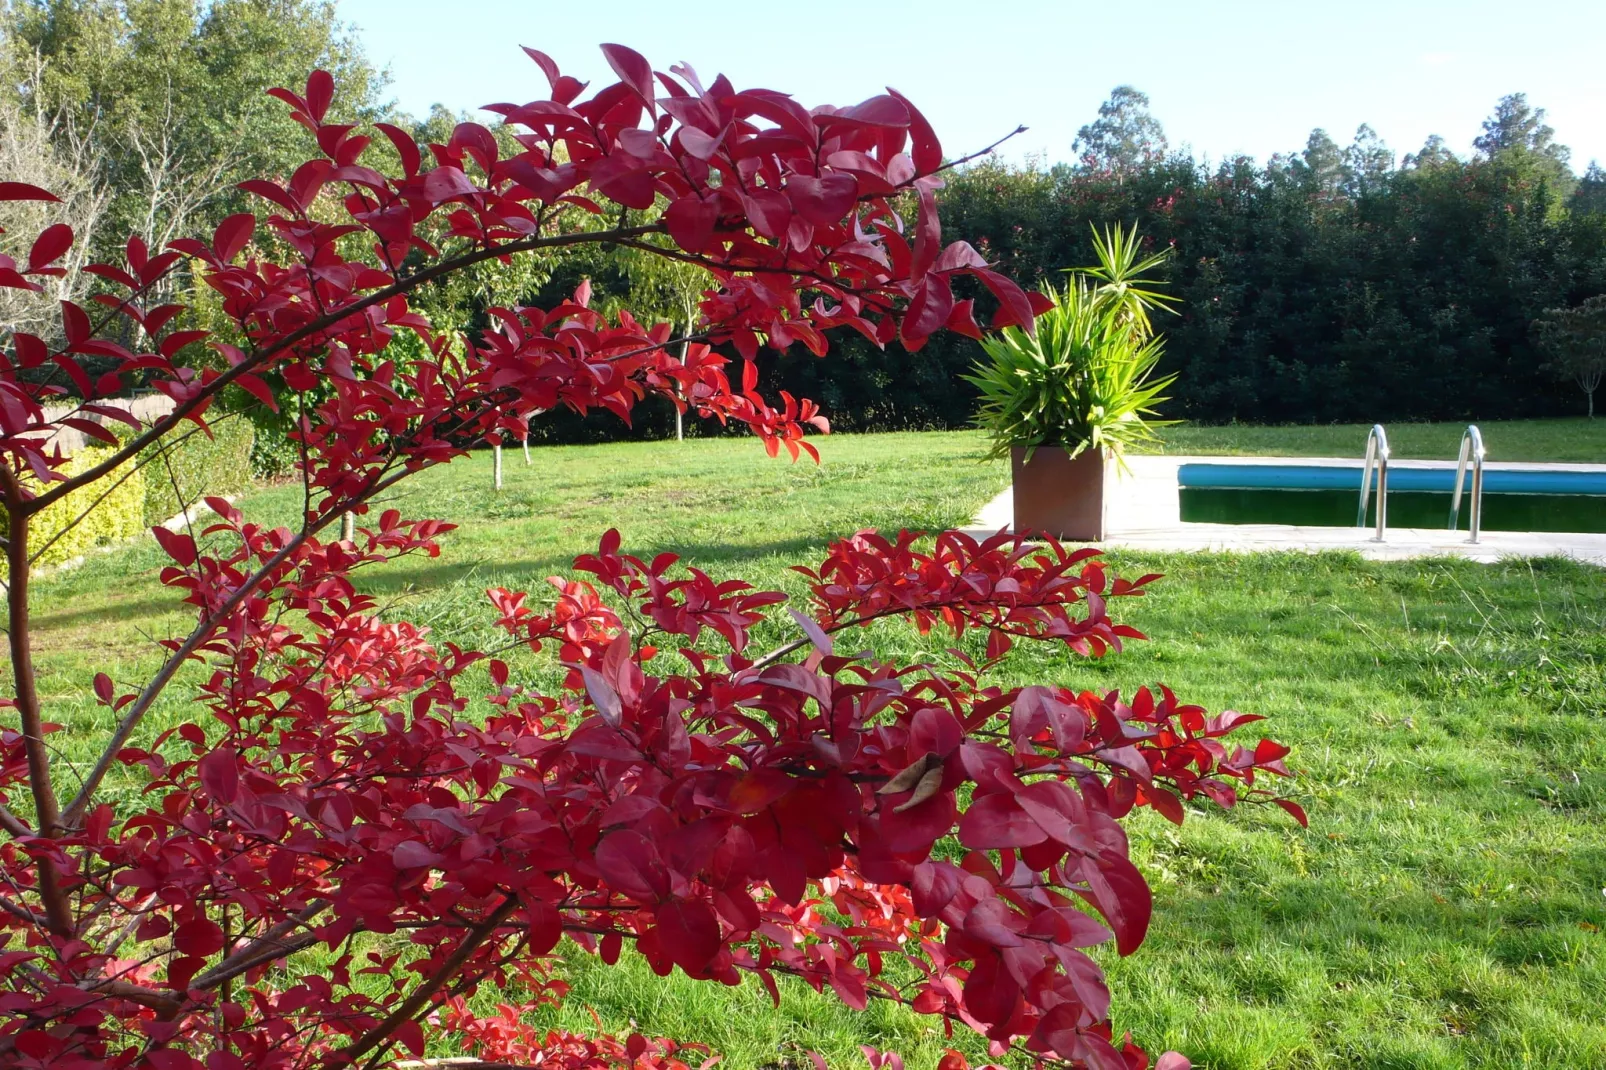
[1409, 296]
[178, 473]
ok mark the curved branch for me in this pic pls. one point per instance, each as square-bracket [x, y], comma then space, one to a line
[323, 323]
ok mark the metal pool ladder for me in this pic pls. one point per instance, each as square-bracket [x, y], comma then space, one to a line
[1377, 456]
[1471, 449]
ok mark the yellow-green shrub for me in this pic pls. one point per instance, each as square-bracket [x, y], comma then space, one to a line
[118, 516]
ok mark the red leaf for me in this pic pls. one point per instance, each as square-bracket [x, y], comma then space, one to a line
[995, 822]
[546, 928]
[691, 220]
[926, 150]
[1269, 750]
[220, 775]
[179, 547]
[634, 71]
[1165, 803]
[50, 244]
[990, 993]
[405, 146]
[22, 191]
[415, 854]
[411, 1035]
[630, 864]
[1121, 894]
[877, 111]
[1295, 809]
[104, 689]
[200, 937]
[320, 91]
[75, 323]
[823, 201]
[90, 428]
[1015, 309]
[10, 278]
[257, 389]
[232, 234]
[688, 932]
[603, 696]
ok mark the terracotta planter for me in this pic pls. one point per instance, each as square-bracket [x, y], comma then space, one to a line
[1057, 495]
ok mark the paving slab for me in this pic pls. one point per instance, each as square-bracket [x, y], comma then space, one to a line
[1144, 512]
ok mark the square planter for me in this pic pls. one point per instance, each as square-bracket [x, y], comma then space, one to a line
[1058, 495]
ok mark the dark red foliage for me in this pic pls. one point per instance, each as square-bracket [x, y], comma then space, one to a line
[346, 840]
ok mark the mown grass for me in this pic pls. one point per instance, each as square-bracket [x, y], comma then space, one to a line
[1445, 909]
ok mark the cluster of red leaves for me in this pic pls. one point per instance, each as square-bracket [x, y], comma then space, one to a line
[506, 1037]
[790, 209]
[340, 847]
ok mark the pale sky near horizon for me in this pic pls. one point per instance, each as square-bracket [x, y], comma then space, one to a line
[1224, 78]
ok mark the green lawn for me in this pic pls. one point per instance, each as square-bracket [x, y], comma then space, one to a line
[1573, 440]
[1444, 910]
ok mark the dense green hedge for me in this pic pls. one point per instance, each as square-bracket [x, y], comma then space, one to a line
[177, 473]
[1411, 299]
[118, 516]
[1402, 295]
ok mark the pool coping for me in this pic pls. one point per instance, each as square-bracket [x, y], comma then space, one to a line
[1143, 511]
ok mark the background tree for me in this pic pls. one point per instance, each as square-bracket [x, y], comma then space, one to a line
[1366, 163]
[1321, 167]
[1433, 153]
[1124, 137]
[170, 94]
[1515, 126]
[33, 150]
[661, 288]
[1589, 198]
[1576, 340]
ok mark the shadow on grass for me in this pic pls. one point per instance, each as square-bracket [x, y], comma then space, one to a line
[437, 574]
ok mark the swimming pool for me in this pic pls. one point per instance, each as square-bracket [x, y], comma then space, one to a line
[1514, 499]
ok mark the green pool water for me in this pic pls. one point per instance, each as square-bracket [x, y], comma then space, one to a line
[1407, 509]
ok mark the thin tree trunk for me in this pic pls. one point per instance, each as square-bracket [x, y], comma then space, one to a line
[47, 812]
[680, 417]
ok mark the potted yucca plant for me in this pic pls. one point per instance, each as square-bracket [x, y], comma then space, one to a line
[1066, 401]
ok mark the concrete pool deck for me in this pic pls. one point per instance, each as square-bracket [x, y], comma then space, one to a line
[1143, 511]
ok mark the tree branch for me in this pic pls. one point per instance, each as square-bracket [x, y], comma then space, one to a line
[47, 815]
[203, 631]
[420, 996]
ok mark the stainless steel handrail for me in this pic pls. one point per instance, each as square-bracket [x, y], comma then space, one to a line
[1377, 455]
[1471, 444]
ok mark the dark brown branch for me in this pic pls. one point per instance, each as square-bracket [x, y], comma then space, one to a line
[951, 164]
[420, 996]
[14, 824]
[47, 814]
[203, 632]
[263, 949]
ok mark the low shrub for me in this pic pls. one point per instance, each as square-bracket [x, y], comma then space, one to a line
[180, 472]
[119, 515]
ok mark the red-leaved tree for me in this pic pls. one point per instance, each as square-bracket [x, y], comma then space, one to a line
[340, 847]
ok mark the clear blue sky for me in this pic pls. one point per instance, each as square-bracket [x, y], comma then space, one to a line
[1224, 77]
